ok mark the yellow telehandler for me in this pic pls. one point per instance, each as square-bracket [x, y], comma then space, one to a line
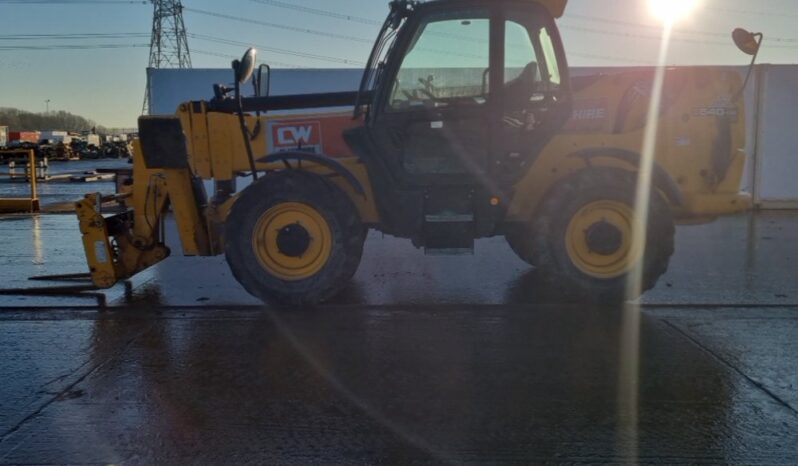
[466, 125]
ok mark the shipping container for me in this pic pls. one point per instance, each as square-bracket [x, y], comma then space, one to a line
[23, 136]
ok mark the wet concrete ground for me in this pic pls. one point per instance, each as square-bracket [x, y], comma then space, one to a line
[422, 361]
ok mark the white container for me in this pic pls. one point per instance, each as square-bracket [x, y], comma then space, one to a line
[777, 161]
[56, 136]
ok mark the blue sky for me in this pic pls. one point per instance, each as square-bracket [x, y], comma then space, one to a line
[107, 85]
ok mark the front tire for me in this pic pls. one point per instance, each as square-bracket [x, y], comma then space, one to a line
[294, 239]
[581, 239]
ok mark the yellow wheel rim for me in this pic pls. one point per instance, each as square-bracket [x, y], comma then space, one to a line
[292, 241]
[603, 239]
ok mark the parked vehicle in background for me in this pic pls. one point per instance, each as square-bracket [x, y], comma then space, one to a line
[56, 136]
[93, 140]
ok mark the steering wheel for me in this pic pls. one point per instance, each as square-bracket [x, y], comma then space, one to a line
[548, 94]
[429, 88]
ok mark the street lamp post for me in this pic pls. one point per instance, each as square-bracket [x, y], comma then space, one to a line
[47, 103]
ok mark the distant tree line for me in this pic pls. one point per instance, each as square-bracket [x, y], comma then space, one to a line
[20, 120]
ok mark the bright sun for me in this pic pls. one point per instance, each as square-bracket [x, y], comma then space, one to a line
[671, 10]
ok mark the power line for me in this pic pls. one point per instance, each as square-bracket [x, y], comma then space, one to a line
[363, 20]
[322, 33]
[609, 58]
[319, 12]
[644, 26]
[295, 53]
[658, 38]
[6, 48]
[215, 54]
[120, 35]
[753, 12]
[618, 22]
[234, 57]
[284, 27]
[331, 35]
[74, 2]
[356, 19]
[748, 12]
[638, 35]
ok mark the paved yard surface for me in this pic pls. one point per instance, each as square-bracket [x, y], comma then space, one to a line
[422, 361]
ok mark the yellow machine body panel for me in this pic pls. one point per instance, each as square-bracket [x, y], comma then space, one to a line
[217, 151]
[701, 137]
[699, 142]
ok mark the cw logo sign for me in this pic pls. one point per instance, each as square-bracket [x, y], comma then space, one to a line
[292, 135]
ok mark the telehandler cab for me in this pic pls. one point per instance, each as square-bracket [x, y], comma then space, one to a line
[466, 125]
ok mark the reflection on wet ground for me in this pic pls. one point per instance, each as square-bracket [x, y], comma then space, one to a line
[423, 360]
[370, 385]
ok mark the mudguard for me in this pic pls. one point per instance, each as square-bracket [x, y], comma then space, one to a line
[662, 179]
[322, 160]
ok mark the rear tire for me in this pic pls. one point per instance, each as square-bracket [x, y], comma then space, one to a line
[579, 240]
[294, 239]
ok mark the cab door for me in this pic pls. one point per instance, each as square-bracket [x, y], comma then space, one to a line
[535, 95]
[457, 116]
[432, 121]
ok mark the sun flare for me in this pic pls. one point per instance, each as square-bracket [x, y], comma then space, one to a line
[671, 10]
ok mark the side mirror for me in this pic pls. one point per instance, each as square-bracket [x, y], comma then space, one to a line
[264, 81]
[747, 42]
[246, 67]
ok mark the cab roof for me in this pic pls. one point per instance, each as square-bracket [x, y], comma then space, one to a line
[555, 7]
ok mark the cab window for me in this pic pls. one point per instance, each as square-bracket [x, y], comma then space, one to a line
[552, 66]
[446, 64]
[530, 60]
